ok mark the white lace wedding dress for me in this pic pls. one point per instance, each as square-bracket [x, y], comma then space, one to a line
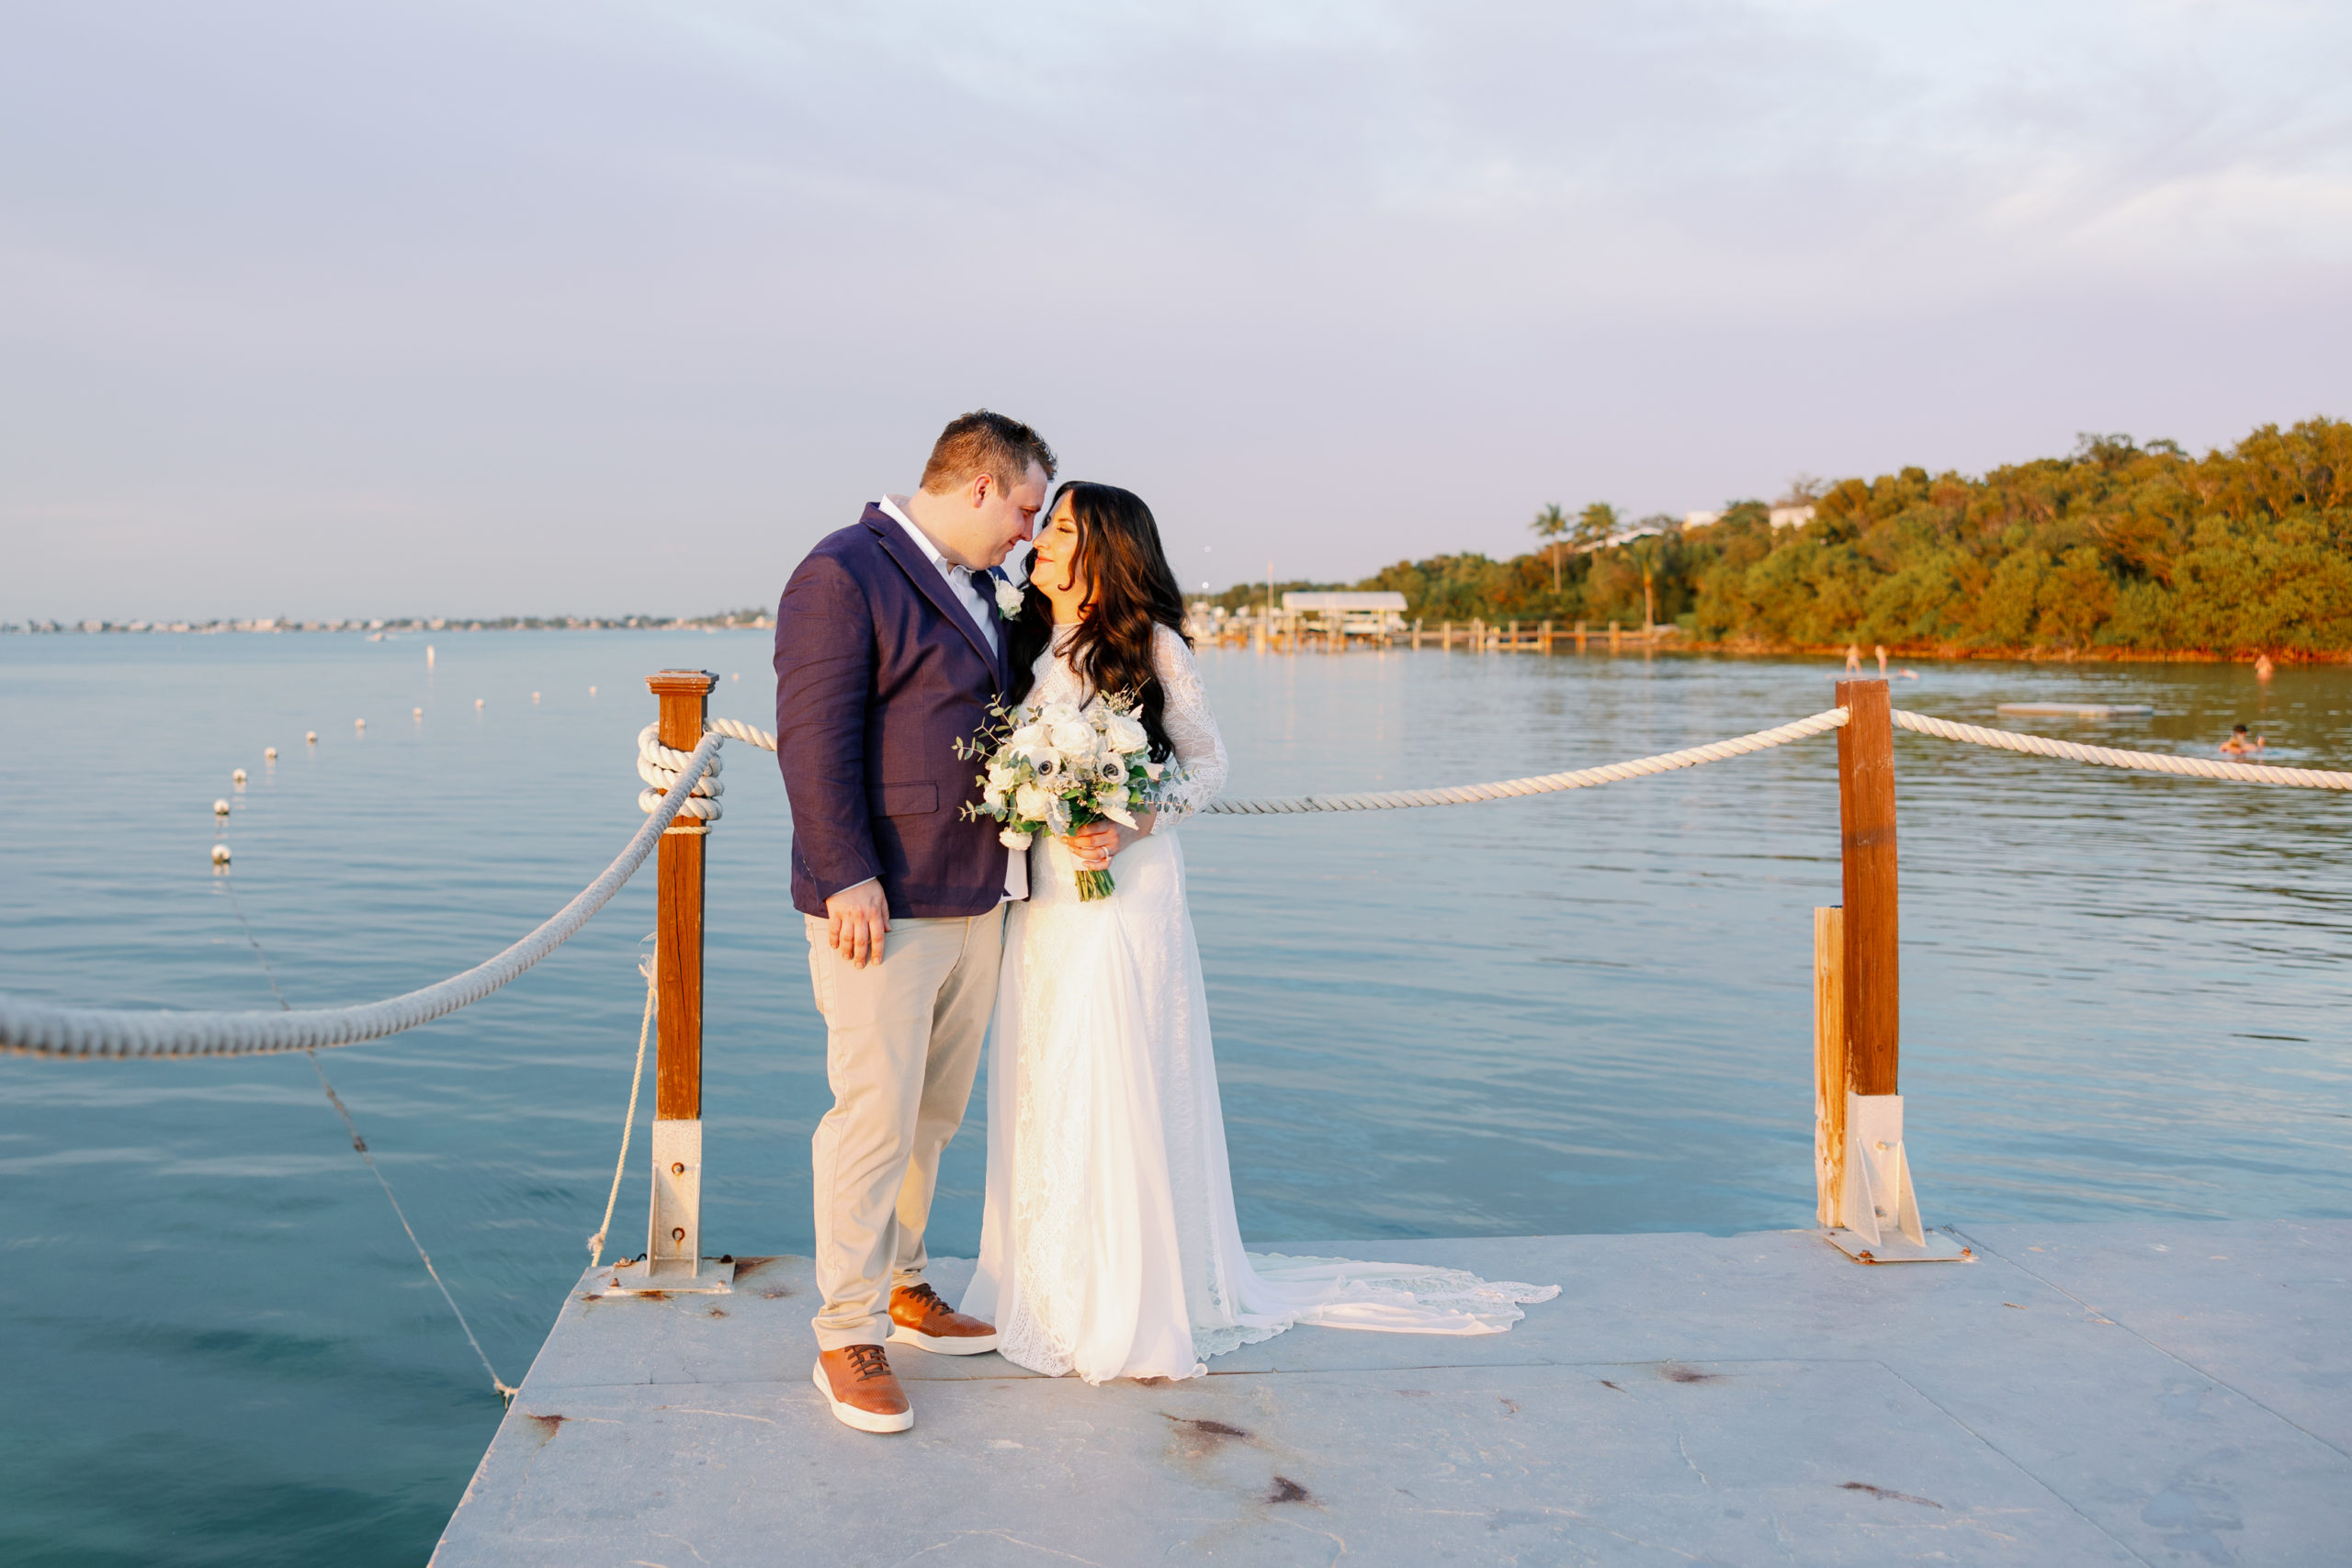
[1109, 1246]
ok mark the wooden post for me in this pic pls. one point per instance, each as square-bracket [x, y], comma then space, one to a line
[1513, 643]
[1866, 823]
[1580, 636]
[673, 1228]
[677, 1073]
[1543, 644]
[1612, 636]
[1416, 633]
[1829, 1067]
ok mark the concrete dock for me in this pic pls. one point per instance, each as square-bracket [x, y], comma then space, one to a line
[2176, 1393]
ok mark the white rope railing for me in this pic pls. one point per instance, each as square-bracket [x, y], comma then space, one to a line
[36, 1029]
[683, 796]
[2108, 757]
[1544, 783]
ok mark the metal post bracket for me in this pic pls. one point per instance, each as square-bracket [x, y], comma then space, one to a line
[673, 1260]
[1882, 1209]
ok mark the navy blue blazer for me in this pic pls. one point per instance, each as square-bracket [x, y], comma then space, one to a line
[879, 671]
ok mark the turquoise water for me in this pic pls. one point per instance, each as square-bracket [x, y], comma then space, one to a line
[1585, 1013]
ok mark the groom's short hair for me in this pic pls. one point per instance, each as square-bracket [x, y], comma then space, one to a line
[984, 443]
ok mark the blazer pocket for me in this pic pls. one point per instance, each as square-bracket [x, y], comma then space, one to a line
[906, 799]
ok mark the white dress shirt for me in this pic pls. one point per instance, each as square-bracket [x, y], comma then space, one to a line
[970, 588]
[979, 599]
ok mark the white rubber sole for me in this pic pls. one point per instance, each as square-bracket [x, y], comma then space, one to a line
[851, 1415]
[975, 1344]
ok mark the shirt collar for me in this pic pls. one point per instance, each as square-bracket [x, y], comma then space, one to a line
[889, 505]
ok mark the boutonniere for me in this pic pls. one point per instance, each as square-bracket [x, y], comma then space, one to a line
[1008, 597]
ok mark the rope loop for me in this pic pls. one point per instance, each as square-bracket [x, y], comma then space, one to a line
[660, 766]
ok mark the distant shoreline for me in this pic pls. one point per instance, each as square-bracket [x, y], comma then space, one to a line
[743, 620]
[1951, 655]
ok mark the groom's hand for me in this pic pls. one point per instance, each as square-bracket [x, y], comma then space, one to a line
[856, 918]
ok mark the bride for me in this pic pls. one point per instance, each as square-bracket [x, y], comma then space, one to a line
[1108, 1246]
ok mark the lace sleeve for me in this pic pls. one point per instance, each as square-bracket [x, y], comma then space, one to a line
[1198, 768]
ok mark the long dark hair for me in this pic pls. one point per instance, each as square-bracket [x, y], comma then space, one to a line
[1131, 591]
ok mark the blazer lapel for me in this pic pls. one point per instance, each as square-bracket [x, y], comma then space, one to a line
[932, 585]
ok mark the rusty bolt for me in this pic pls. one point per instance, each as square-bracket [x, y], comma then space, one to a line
[677, 1167]
[678, 1233]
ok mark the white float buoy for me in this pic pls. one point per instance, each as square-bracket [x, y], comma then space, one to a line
[477, 704]
[269, 753]
[309, 737]
[535, 696]
[219, 808]
[592, 691]
[237, 778]
[738, 675]
[428, 656]
[358, 724]
[219, 854]
[416, 713]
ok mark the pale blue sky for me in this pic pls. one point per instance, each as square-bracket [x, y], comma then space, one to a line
[505, 307]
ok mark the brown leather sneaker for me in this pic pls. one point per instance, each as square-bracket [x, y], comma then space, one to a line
[920, 1318]
[856, 1381]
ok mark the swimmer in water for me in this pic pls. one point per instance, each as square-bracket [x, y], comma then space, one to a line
[2240, 743]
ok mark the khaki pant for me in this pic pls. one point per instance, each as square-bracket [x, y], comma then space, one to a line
[902, 1042]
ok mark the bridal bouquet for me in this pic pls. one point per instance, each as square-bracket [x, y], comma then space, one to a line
[1055, 768]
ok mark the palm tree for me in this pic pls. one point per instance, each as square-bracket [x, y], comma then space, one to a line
[1595, 525]
[1645, 553]
[1549, 525]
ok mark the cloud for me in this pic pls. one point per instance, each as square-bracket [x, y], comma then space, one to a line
[1333, 283]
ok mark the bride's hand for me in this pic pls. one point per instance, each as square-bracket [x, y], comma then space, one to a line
[1093, 846]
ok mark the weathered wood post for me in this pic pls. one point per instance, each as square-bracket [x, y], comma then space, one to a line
[1580, 636]
[1612, 636]
[1878, 1209]
[1544, 643]
[1416, 633]
[673, 1241]
[1866, 828]
[1829, 1084]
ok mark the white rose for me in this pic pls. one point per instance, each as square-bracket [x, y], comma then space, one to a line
[1031, 802]
[1075, 739]
[1014, 839]
[1054, 713]
[1125, 732]
[1007, 600]
[993, 799]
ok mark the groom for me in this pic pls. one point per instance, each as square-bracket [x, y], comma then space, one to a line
[889, 649]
